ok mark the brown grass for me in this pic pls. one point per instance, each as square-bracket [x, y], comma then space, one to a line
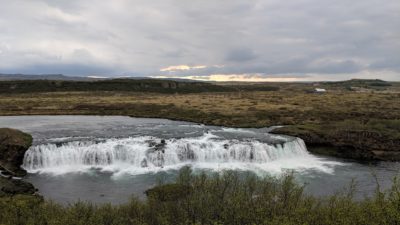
[230, 108]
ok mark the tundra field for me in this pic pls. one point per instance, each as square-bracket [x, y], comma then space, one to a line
[354, 119]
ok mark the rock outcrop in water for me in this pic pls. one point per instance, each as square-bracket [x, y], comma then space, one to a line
[13, 145]
[362, 144]
[10, 186]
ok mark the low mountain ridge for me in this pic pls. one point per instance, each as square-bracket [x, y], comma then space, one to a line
[140, 85]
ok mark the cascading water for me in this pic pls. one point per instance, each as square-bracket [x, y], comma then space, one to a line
[107, 158]
[151, 154]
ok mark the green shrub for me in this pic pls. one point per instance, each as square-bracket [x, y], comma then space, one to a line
[227, 198]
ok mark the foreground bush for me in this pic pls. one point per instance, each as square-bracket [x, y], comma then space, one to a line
[228, 198]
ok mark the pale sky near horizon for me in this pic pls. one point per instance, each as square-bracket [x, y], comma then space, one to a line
[258, 40]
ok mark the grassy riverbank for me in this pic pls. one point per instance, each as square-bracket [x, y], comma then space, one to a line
[362, 122]
[219, 199]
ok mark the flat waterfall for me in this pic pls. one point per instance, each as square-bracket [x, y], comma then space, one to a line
[148, 154]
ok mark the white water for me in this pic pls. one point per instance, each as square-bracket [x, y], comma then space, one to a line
[99, 153]
[138, 155]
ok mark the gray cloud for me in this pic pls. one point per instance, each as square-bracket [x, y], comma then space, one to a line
[241, 55]
[330, 39]
[70, 69]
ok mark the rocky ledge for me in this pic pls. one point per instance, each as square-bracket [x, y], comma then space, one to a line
[10, 186]
[13, 145]
[353, 144]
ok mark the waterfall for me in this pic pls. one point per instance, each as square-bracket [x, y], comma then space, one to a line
[148, 153]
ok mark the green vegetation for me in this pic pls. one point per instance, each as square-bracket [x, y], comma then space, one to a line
[229, 198]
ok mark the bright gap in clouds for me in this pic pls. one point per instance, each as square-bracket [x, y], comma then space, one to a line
[181, 67]
[235, 77]
[283, 77]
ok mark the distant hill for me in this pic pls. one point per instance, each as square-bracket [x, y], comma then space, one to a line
[24, 83]
[76, 78]
[365, 83]
[41, 77]
[139, 85]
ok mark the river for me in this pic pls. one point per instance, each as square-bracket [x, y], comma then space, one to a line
[109, 158]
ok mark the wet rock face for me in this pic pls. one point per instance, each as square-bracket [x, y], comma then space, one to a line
[13, 145]
[10, 186]
[155, 154]
[160, 146]
[361, 145]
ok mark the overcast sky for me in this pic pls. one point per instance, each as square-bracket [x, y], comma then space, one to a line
[203, 39]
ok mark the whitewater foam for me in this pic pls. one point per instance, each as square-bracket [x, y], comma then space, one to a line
[147, 154]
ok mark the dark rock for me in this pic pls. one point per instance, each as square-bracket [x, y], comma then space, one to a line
[143, 163]
[13, 145]
[251, 155]
[157, 146]
[353, 144]
[155, 154]
[190, 154]
[10, 186]
[151, 143]
[160, 146]
[5, 173]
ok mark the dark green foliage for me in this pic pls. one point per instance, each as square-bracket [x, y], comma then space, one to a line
[169, 192]
[227, 198]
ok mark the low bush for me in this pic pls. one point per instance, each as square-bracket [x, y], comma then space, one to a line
[227, 198]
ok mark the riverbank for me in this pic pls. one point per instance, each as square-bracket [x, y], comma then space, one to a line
[219, 199]
[373, 140]
[359, 125]
[228, 198]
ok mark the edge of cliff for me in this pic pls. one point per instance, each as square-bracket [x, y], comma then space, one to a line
[13, 145]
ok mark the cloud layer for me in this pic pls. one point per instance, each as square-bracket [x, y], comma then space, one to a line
[302, 39]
